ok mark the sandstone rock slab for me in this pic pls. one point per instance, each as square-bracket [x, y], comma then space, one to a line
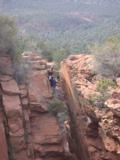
[10, 87]
[39, 91]
[12, 105]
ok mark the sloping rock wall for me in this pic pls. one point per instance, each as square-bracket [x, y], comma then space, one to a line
[29, 131]
[94, 132]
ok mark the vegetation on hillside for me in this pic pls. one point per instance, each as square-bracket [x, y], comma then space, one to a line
[35, 45]
[10, 42]
[8, 33]
[65, 24]
[107, 57]
[55, 32]
[102, 92]
[107, 64]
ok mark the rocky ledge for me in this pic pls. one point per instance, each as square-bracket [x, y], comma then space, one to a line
[27, 130]
[94, 132]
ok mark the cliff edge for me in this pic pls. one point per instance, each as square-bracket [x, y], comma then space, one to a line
[94, 132]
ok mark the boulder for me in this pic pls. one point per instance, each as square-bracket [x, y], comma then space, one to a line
[12, 105]
[39, 91]
[5, 78]
[10, 87]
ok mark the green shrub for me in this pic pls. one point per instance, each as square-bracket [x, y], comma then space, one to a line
[57, 106]
[102, 88]
[8, 32]
[98, 100]
[93, 98]
[10, 42]
[104, 84]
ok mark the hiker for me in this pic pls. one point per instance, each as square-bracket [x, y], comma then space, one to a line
[52, 83]
[50, 72]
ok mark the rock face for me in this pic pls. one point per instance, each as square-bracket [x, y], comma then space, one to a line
[3, 143]
[94, 132]
[29, 131]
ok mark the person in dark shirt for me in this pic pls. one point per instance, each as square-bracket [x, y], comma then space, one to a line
[53, 83]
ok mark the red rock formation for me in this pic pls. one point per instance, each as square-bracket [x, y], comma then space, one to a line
[3, 143]
[94, 132]
[31, 132]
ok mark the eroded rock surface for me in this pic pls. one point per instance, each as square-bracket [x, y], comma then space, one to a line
[94, 131]
[3, 142]
[29, 131]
